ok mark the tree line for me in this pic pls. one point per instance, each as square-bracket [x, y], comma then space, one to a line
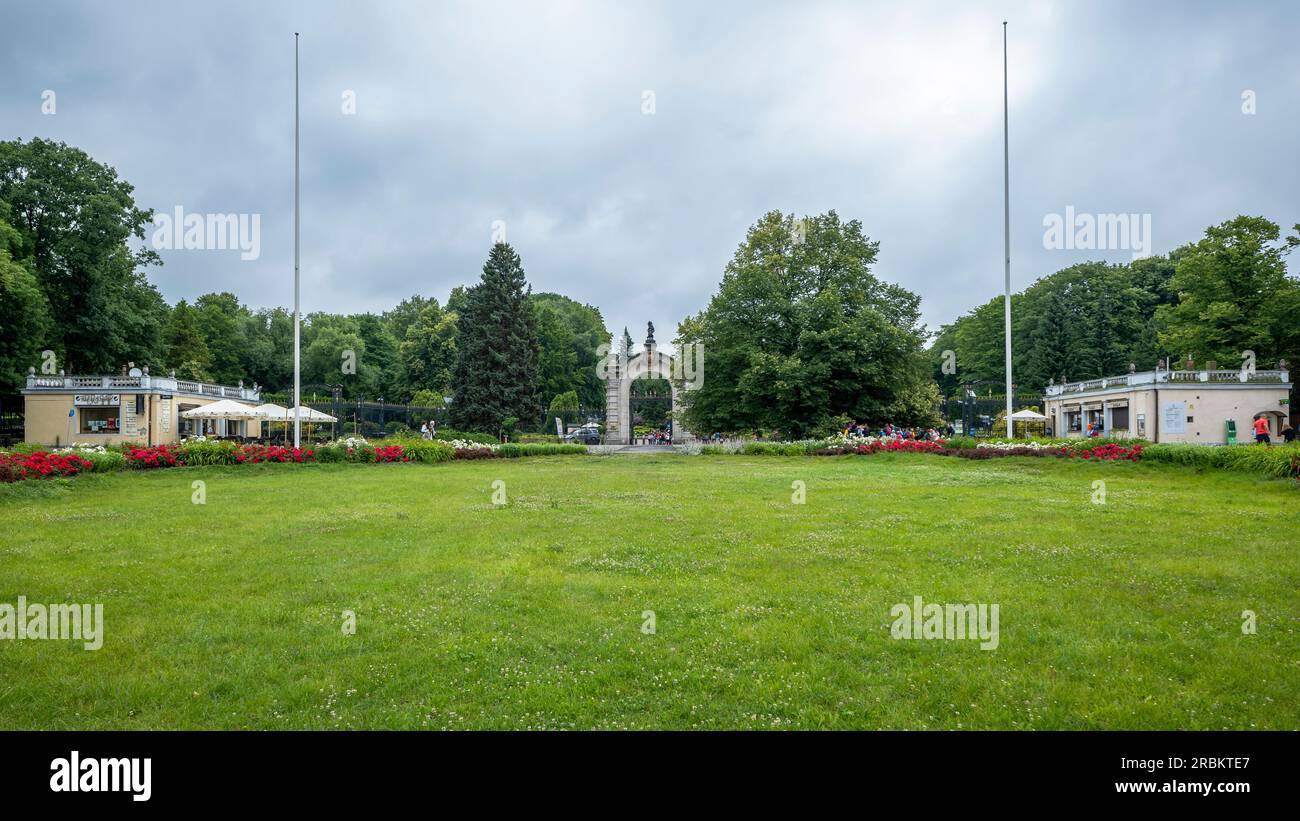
[800, 339]
[1212, 299]
[72, 283]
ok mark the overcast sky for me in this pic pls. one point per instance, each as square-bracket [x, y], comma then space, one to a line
[534, 114]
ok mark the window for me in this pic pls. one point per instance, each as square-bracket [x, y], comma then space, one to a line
[100, 420]
[1119, 418]
[187, 426]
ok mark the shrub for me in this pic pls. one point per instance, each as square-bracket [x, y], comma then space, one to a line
[774, 449]
[1273, 461]
[475, 453]
[160, 456]
[208, 453]
[511, 451]
[40, 465]
[255, 454]
[450, 435]
[390, 453]
[424, 450]
[331, 453]
[101, 458]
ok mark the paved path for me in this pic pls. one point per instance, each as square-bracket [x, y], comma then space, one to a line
[631, 449]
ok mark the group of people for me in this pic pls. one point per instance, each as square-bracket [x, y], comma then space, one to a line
[429, 430]
[1262, 436]
[888, 430]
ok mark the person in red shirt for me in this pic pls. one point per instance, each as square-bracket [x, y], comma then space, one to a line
[1261, 431]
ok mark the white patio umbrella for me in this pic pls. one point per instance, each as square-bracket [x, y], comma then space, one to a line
[311, 415]
[224, 409]
[1025, 416]
[274, 411]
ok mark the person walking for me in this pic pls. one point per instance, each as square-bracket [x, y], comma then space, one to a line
[1288, 433]
[1261, 431]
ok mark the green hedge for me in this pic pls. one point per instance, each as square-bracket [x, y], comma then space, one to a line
[1266, 460]
[449, 434]
[208, 453]
[778, 448]
[424, 450]
[513, 450]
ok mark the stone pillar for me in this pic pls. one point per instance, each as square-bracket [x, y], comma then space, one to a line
[618, 422]
[679, 434]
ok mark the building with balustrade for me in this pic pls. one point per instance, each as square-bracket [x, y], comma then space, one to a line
[1172, 405]
[132, 407]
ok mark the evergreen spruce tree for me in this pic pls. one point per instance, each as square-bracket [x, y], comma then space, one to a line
[1051, 343]
[187, 351]
[496, 375]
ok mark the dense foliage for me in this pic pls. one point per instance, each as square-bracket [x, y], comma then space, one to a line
[1213, 299]
[801, 334]
[67, 221]
[495, 382]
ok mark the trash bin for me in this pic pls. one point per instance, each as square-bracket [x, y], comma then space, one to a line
[1232, 431]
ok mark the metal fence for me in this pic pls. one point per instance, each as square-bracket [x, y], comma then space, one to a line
[11, 418]
[372, 420]
[976, 414]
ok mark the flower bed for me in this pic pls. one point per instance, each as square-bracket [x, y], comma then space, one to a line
[17, 467]
[28, 461]
[391, 453]
[255, 454]
[161, 456]
[1106, 453]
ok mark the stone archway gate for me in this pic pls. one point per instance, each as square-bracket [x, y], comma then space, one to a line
[621, 369]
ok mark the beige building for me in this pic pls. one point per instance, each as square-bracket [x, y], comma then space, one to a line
[105, 410]
[1172, 406]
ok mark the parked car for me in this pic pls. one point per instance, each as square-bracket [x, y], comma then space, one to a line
[584, 436]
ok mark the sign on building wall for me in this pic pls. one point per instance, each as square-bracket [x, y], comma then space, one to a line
[129, 425]
[1173, 417]
[165, 413]
[96, 400]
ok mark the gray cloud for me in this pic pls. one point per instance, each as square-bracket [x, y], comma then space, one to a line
[531, 113]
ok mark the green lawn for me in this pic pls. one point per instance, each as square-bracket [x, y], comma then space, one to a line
[768, 614]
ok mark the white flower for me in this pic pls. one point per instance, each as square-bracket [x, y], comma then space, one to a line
[461, 444]
[81, 448]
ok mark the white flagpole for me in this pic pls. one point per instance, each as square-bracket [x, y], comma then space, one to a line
[297, 315]
[1006, 224]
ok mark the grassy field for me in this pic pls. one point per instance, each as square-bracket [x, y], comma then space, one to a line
[768, 614]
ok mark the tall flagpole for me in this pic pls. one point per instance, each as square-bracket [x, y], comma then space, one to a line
[297, 314]
[1006, 224]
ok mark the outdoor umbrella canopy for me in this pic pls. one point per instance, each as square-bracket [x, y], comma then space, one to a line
[224, 409]
[274, 411]
[1023, 416]
[1027, 416]
[309, 415]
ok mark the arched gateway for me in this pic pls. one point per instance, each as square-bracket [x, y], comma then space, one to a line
[621, 368]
